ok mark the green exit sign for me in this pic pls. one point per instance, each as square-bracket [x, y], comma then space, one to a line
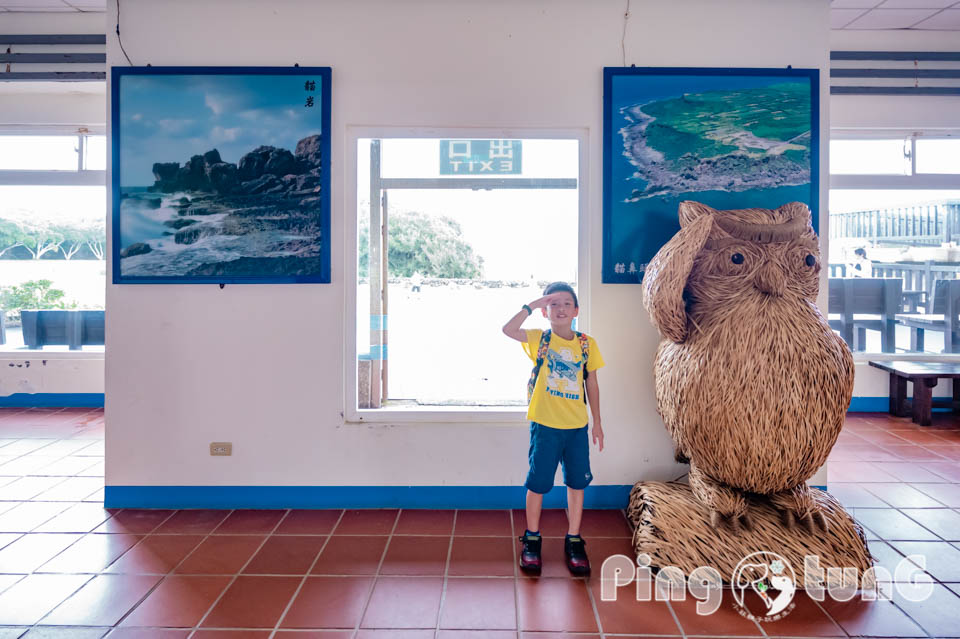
[480, 157]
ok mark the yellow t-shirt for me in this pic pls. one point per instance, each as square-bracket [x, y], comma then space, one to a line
[557, 399]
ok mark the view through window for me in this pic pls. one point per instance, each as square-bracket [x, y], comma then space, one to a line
[895, 250]
[470, 231]
[52, 244]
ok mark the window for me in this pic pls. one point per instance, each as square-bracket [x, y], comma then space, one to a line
[894, 258]
[52, 239]
[466, 232]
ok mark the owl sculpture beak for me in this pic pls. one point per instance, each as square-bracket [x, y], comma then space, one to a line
[771, 279]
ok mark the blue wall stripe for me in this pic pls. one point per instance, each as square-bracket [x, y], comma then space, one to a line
[460, 497]
[877, 404]
[52, 400]
[378, 322]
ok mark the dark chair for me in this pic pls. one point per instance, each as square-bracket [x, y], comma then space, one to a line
[856, 305]
[946, 307]
[72, 328]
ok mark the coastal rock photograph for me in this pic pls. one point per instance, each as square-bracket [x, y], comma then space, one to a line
[222, 178]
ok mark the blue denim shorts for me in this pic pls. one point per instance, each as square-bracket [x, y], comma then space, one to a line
[552, 446]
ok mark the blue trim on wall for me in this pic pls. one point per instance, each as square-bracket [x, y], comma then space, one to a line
[52, 400]
[877, 404]
[441, 497]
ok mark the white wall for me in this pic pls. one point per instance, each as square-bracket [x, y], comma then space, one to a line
[181, 370]
[64, 106]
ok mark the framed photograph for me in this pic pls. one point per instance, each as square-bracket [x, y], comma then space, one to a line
[730, 138]
[221, 175]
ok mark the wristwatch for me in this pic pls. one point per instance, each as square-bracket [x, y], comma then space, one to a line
[528, 309]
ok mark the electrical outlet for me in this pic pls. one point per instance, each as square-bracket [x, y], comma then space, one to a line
[221, 448]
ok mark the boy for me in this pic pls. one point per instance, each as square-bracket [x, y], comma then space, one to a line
[558, 417]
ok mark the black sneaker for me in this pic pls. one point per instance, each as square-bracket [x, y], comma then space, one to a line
[530, 561]
[574, 547]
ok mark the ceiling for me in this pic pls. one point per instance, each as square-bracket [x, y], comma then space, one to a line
[938, 15]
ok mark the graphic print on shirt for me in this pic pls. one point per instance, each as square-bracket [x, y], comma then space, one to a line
[562, 374]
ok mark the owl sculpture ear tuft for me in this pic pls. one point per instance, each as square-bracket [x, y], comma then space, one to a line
[666, 275]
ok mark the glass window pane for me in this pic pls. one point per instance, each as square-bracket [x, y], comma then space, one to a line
[868, 157]
[938, 156]
[38, 152]
[447, 252]
[96, 151]
[893, 256]
[52, 244]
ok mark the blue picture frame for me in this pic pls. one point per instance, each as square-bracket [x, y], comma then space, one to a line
[640, 215]
[250, 203]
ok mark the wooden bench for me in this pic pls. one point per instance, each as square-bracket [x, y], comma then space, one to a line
[862, 304]
[946, 308]
[71, 328]
[924, 376]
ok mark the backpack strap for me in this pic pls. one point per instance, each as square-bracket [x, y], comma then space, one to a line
[585, 349]
[541, 355]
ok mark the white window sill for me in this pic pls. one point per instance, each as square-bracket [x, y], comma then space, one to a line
[863, 358]
[439, 414]
[22, 355]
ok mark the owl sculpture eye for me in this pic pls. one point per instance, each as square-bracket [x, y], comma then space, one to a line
[810, 260]
[737, 258]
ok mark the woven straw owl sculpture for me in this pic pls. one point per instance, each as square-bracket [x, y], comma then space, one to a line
[751, 382]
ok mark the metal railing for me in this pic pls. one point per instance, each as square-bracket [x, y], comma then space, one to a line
[919, 225]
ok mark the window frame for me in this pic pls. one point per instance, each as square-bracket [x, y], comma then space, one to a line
[80, 177]
[445, 414]
[880, 182]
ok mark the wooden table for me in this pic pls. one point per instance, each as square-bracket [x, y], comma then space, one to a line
[924, 376]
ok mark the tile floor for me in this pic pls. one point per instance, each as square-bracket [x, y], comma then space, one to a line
[70, 568]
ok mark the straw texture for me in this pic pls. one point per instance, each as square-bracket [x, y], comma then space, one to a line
[674, 529]
[751, 382]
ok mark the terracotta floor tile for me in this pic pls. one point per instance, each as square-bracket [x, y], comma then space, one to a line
[80, 518]
[945, 523]
[947, 469]
[25, 446]
[404, 602]
[482, 556]
[350, 555]
[102, 601]
[329, 602]
[806, 619]
[221, 555]
[907, 471]
[248, 522]
[67, 466]
[479, 604]
[901, 495]
[861, 472]
[855, 495]
[887, 556]
[54, 632]
[155, 554]
[557, 605]
[32, 551]
[939, 614]
[316, 634]
[27, 601]
[286, 555]
[942, 559]
[231, 634]
[626, 614]
[871, 618]
[196, 522]
[946, 494]
[148, 633]
[416, 556]
[555, 635]
[26, 488]
[72, 489]
[425, 522]
[604, 523]
[891, 524]
[921, 437]
[252, 602]
[911, 452]
[724, 621]
[475, 523]
[486, 634]
[366, 522]
[92, 553]
[553, 522]
[178, 602]
[393, 633]
[134, 521]
[309, 522]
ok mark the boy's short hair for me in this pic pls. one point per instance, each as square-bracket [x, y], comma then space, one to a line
[562, 287]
